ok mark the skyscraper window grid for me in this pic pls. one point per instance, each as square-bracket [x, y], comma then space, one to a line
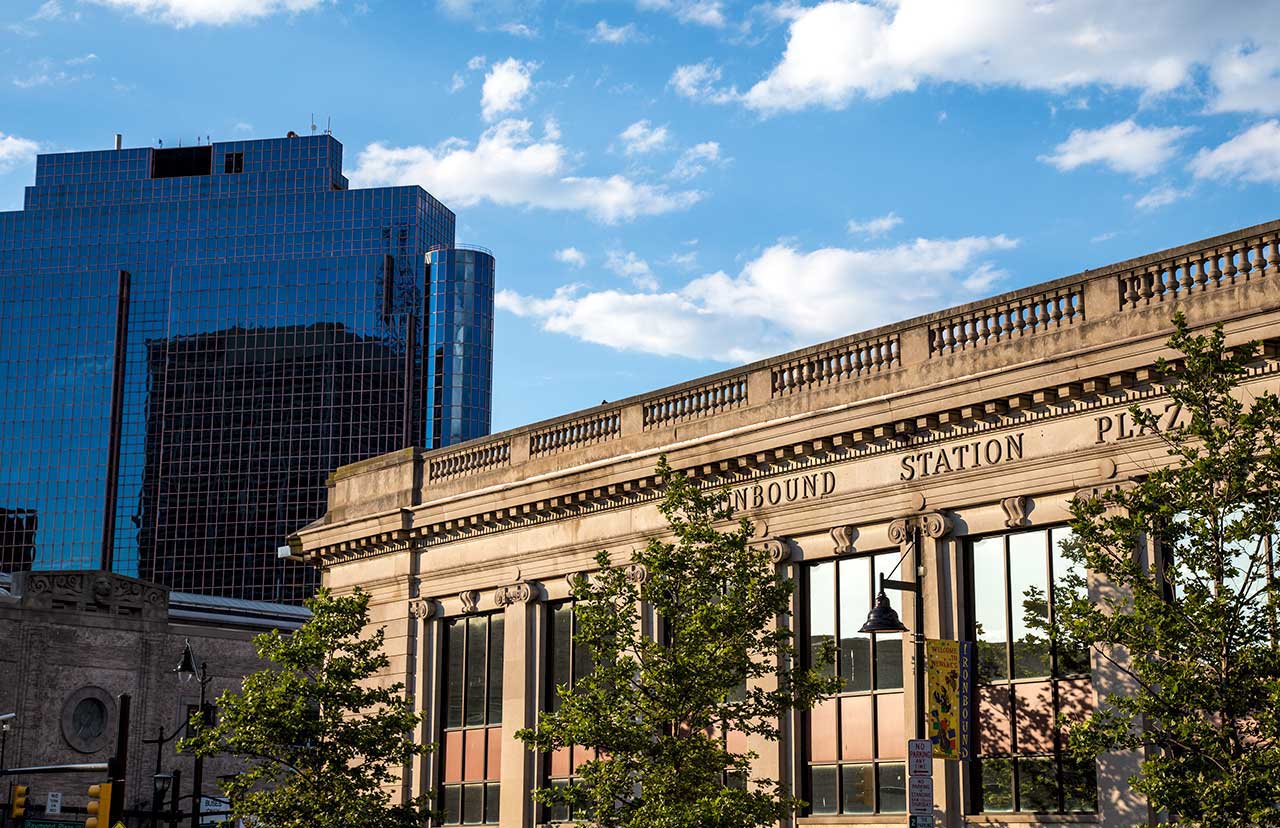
[274, 329]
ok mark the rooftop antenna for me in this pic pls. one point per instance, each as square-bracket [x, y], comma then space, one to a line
[161, 140]
[328, 125]
[313, 123]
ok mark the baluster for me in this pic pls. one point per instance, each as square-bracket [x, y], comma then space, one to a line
[1273, 258]
[1231, 270]
[1214, 273]
[1186, 282]
[1131, 291]
[1145, 291]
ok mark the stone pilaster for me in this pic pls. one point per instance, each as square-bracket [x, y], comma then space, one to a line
[519, 700]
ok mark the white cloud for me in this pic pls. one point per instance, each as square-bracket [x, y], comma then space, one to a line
[1247, 81]
[1101, 237]
[604, 33]
[183, 13]
[243, 126]
[519, 30]
[457, 83]
[781, 299]
[877, 226]
[703, 12]
[642, 137]
[628, 265]
[45, 72]
[1161, 196]
[839, 51]
[1253, 155]
[82, 60]
[571, 256]
[1124, 147]
[509, 167]
[695, 160]
[505, 87]
[476, 63]
[15, 151]
[701, 82]
[49, 10]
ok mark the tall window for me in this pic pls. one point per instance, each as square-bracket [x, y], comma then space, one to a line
[1024, 682]
[471, 755]
[567, 661]
[855, 742]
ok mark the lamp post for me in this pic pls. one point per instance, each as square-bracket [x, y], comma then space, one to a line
[883, 617]
[186, 672]
[160, 783]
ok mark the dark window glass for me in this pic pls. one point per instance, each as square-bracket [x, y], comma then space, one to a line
[494, 714]
[475, 675]
[893, 787]
[822, 786]
[859, 783]
[452, 805]
[472, 804]
[492, 795]
[455, 647]
[1022, 764]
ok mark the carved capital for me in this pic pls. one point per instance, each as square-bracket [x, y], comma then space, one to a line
[842, 537]
[935, 525]
[637, 573]
[932, 525]
[779, 549]
[521, 593]
[470, 599]
[574, 578]
[1015, 511]
[422, 608]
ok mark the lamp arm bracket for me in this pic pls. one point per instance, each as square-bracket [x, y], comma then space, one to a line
[901, 586]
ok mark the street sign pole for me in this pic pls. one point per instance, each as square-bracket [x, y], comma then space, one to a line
[920, 783]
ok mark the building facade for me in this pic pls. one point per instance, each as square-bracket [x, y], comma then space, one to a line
[76, 640]
[956, 440]
[193, 338]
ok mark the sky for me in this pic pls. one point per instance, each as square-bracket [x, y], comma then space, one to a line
[673, 187]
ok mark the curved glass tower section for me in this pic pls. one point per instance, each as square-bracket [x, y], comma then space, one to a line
[192, 339]
[460, 343]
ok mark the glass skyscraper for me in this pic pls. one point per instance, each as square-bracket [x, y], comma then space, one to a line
[192, 339]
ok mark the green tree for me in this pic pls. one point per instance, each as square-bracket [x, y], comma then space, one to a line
[655, 707]
[319, 739]
[1195, 634]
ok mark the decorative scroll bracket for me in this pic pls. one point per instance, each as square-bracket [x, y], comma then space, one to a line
[1015, 511]
[470, 599]
[521, 593]
[842, 537]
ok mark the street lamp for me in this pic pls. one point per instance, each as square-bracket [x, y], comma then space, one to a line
[186, 672]
[5, 719]
[160, 783]
[884, 618]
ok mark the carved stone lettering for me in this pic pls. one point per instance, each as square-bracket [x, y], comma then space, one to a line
[813, 486]
[961, 457]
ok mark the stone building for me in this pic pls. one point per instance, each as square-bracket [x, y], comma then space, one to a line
[972, 429]
[75, 640]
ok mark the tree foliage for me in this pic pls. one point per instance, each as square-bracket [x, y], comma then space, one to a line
[658, 703]
[319, 738]
[1195, 633]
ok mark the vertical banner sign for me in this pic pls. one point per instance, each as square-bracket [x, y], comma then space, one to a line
[968, 674]
[942, 660]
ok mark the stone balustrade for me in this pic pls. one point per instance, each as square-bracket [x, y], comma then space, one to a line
[992, 328]
[704, 401]
[1216, 266]
[1003, 321]
[574, 434]
[473, 459]
[846, 362]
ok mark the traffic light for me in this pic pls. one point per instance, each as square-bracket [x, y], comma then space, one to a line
[18, 808]
[99, 806]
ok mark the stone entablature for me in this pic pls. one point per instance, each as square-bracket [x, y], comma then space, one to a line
[910, 399]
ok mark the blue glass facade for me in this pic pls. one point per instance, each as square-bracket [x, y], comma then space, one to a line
[192, 339]
[461, 336]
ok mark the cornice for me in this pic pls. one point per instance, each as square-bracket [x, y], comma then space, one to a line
[1047, 402]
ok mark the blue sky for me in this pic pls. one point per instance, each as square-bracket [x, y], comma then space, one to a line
[675, 186]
